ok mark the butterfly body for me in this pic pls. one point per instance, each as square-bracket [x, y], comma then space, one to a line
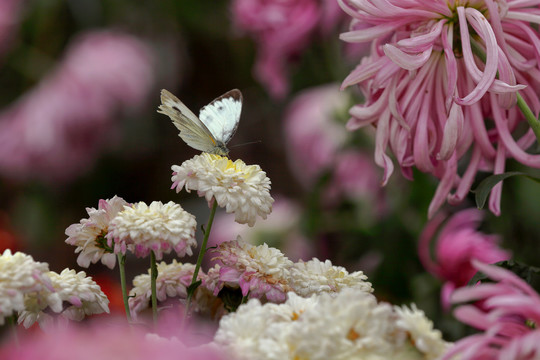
[215, 126]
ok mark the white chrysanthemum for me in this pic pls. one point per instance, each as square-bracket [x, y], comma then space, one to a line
[315, 277]
[80, 292]
[172, 282]
[89, 234]
[347, 325]
[239, 188]
[260, 271]
[159, 227]
[20, 275]
[420, 331]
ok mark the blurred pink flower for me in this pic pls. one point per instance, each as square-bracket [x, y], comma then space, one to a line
[316, 144]
[282, 30]
[281, 229]
[458, 244]
[312, 134]
[9, 18]
[104, 340]
[508, 316]
[428, 90]
[55, 131]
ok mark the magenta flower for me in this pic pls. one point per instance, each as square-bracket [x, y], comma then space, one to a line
[457, 245]
[55, 131]
[437, 69]
[509, 314]
[281, 30]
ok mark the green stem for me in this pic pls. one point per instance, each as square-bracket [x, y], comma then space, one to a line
[153, 278]
[121, 266]
[202, 251]
[534, 123]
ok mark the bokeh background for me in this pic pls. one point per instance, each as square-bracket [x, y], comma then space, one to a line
[79, 90]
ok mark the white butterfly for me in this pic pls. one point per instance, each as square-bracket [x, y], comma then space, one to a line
[215, 126]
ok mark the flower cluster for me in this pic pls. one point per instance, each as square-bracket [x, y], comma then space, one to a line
[55, 131]
[348, 325]
[82, 294]
[159, 227]
[265, 273]
[436, 70]
[508, 312]
[458, 243]
[21, 275]
[90, 234]
[241, 189]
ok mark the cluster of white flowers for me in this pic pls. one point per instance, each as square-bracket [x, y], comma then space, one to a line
[83, 295]
[89, 234]
[348, 325]
[29, 288]
[239, 188]
[159, 227]
[21, 275]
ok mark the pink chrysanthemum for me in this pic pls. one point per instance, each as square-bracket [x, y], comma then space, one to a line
[509, 316]
[436, 71]
[260, 271]
[457, 244]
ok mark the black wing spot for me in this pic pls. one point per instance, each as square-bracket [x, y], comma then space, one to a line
[177, 109]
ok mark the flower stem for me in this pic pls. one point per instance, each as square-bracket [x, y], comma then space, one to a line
[533, 121]
[121, 266]
[153, 278]
[202, 251]
[12, 320]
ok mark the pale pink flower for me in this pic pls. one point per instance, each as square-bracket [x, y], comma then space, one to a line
[259, 271]
[456, 246]
[509, 312]
[281, 30]
[56, 130]
[427, 92]
[89, 235]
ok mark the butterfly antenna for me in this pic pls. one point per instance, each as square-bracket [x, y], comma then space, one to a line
[248, 143]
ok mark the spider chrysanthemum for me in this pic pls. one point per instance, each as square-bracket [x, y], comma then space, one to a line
[239, 188]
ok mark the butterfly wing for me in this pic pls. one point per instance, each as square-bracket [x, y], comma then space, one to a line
[192, 130]
[222, 115]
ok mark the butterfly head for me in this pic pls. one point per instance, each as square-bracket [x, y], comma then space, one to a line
[220, 149]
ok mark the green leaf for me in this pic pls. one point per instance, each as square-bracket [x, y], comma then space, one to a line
[485, 186]
[529, 274]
